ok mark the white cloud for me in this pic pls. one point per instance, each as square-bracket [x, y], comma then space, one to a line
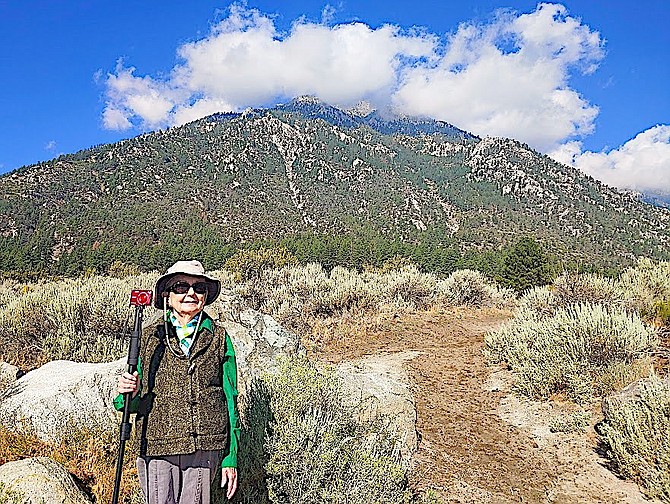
[510, 78]
[141, 98]
[245, 62]
[641, 164]
[50, 146]
[115, 119]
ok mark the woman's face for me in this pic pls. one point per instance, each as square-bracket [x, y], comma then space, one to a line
[187, 305]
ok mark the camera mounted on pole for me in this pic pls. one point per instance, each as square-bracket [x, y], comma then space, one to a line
[139, 299]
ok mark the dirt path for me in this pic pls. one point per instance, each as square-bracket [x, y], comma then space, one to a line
[477, 442]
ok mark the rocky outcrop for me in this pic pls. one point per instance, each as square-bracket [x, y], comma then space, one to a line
[259, 340]
[379, 385]
[39, 480]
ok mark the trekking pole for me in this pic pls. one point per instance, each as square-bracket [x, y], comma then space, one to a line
[139, 299]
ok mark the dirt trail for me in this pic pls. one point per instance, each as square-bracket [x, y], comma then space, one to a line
[477, 442]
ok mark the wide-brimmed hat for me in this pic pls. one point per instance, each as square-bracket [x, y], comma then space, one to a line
[191, 268]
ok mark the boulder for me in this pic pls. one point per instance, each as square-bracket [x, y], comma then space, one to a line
[39, 480]
[379, 385]
[61, 395]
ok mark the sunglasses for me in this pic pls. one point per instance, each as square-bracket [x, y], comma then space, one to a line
[184, 287]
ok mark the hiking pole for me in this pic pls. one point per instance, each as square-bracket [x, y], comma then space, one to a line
[139, 299]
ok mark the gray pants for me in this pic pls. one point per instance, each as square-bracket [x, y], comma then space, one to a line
[178, 479]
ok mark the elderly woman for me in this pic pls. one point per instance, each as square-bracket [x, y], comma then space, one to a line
[185, 394]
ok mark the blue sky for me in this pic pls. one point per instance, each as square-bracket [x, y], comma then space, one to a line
[586, 82]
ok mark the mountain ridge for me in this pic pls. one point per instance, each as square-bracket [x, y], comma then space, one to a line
[307, 168]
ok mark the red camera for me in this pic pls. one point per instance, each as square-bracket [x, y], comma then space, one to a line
[141, 297]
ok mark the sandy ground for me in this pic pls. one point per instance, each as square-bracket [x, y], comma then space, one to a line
[478, 442]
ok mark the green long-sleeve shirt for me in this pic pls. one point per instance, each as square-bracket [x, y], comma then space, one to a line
[229, 368]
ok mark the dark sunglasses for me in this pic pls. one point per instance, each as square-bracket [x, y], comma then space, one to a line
[184, 287]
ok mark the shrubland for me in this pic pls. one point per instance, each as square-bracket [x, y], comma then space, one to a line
[302, 441]
[82, 318]
[585, 336]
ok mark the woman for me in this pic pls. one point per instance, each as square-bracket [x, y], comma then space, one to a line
[184, 394]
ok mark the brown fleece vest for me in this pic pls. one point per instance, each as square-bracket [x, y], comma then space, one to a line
[182, 408]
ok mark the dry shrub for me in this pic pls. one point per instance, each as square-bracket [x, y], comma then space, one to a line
[74, 319]
[298, 295]
[573, 351]
[9, 496]
[576, 421]
[406, 287]
[537, 303]
[473, 288]
[250, 264]
[574, 288]
[90, 456]
[636, 433]
[309, 448]
[646, 286]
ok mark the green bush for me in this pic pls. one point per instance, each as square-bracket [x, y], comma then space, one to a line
[525, 265]
[662, 312]
[314, 451]
[636, 433]
[576, 351]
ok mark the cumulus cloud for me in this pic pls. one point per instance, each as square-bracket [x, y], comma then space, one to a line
[510, 78]
[245, 62]
[641, 164]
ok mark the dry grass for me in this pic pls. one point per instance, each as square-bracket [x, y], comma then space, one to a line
[89, 456]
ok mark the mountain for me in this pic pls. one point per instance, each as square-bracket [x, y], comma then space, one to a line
[308, 173]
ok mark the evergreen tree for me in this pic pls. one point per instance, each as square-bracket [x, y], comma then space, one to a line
[525, 265]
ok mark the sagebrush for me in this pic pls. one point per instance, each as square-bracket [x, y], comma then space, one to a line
[636, 432]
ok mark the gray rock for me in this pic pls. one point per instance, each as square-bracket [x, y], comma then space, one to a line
[61, 395]
[379, 385]
[8, 375]
[259, 340]
[40, 480]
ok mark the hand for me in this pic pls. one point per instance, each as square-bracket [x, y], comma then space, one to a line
[229, 477]
[128, 383]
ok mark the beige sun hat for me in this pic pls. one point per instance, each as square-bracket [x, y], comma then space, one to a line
[191, 268]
